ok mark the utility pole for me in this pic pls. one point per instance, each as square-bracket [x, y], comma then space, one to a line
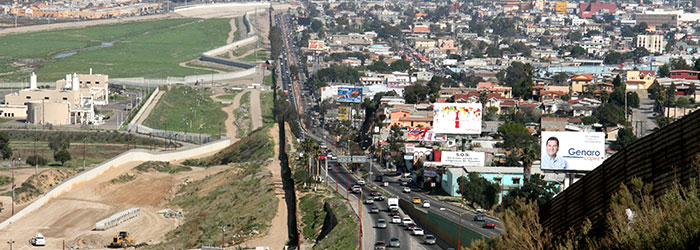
[84, 142]
[13, 193]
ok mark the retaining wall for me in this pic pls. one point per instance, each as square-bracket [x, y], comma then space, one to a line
[231, 46]
[194, 138]
[204, 6]
[225, 61]
[117, 219]
[141, 110]
[115, 162]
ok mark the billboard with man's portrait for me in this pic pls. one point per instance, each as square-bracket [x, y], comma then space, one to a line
[582, 151]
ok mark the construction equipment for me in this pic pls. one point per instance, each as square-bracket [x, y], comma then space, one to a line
[122, 241]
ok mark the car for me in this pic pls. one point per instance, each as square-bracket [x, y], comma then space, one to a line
[360, 182]
[379, 245]
[396, 219]
[429, 239]
[405, 221]
[379, 197]
[489, 225]
[426, 204]
[394, 242]
[381, 223]
[386, 184]
[38, 240]
[407, 190]
[479, 217]
[404, 183]
[411, 226]
[394, 212]
[418, 231]
[416, 200]
[373, 193]
[374, 210]
[369, 201]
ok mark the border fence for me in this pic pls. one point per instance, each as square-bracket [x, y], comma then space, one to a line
[661, 159]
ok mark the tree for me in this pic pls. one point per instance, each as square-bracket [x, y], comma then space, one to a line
[416, 93]
[625, 137]
[577, 51]
[379, 66]
[528, 156]
[401, 65]
[664, 71]
[560, 78]
[536, 190]
[316, 25]
[62, 155]
[617, 82]
[478, 190]
[518, 76]
[679, 63]
[610, 114]
[58, 143]
[36, 160]
[575, 36]
[5, 149]
[682, 102]
[515, 135]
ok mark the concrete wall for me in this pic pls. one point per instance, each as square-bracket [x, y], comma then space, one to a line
[225, 61]
[231, 46]
[142, 110]
[115, 162]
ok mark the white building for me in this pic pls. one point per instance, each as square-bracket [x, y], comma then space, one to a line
[653, 43]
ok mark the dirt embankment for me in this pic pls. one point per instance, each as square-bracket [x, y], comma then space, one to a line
[34, 186]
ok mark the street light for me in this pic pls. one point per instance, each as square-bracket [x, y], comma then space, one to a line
[459, 231]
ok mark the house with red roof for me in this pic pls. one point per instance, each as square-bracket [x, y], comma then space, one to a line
[579, 83]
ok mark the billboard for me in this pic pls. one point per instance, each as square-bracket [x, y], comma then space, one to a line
[463, 158]
[346, 94]
[423, 134]
[457, 118]
[343, 113]
[317, 45]
[560, 7]
[572, 150]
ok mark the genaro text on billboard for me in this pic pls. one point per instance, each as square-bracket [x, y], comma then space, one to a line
[463, 158]
[457, 118]
[582, 151]
[349, 94]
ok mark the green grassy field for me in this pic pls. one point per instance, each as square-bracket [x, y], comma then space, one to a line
[94, 153]
[181, 101]
[267, 103]
[242, 114]
[150, 49]
[261, 57]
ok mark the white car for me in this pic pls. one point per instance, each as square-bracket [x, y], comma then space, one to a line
[369, 201]
[38, 240]
[406, 189]
[426, 204]
[396, 219]
[361, 182]
[418, 231]
[406, 221]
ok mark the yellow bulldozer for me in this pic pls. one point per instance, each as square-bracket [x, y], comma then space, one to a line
[122, 241]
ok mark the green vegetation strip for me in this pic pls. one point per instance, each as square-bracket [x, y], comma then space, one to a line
[240, 199]
[182, 105]
[344, 234]
[123, 178]
[150, 49]
[162, 166]
[256, 147]
[267, 107]
[242, 113]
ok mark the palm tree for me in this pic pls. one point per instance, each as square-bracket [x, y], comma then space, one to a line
[528, 156]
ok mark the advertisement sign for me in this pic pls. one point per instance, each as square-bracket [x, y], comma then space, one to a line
[423, 134]
[430, 172]
[457, 118]
[572, 150]
[349, 94]
[343, 113]
[317, 45]
[463, 158]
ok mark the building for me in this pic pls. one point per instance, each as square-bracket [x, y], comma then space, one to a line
[579, 82]
[587, 10]
[71, 102]
[652, 43]
[684, 74]
[640, 79]
[658, 19]
[506, 177]
[560, 7]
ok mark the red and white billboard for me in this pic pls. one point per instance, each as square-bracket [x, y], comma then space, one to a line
[457, 118]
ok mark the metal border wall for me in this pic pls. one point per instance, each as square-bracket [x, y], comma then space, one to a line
[660, 159]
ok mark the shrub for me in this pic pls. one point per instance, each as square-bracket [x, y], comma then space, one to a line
[36, 160]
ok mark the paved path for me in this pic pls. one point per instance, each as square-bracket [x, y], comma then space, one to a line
[150, 107]
[255, 109]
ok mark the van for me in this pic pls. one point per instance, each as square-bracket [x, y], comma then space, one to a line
[393, 203]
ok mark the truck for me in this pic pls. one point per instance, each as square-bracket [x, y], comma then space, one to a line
[393, 203]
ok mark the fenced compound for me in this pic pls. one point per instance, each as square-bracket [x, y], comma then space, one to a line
[661, 159]
[117, 219]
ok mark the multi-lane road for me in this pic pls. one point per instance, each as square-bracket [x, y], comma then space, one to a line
[451, 212]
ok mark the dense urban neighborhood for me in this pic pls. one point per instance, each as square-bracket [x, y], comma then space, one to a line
[350, 124]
